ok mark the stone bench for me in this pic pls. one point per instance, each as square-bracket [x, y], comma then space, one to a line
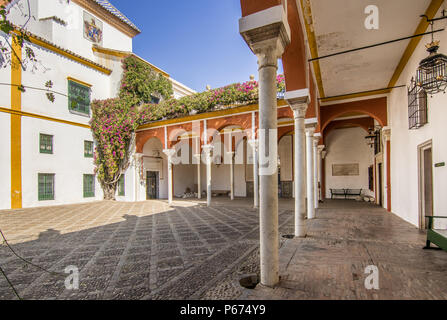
[438, 237]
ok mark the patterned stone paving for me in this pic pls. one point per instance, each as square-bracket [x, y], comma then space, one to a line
[346, 237]
[141, 250]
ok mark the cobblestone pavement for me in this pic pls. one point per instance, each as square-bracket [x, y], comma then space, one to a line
[144, 250]
[346, 237]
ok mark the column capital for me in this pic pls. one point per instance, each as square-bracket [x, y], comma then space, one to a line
[169, 152]
[320, 148]
[317, 137]
[310, 131]
[267, 33]
[207, 148]
[254, 143]
[386, 133]
[298, 101]
[138, 156]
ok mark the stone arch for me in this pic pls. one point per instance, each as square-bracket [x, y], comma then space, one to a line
[143, 136]
[364, 123]
[375, 108]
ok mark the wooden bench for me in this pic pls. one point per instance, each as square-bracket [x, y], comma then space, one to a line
[346, 192]
[438, 237]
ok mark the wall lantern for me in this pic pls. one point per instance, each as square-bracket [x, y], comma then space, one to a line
[432, 72]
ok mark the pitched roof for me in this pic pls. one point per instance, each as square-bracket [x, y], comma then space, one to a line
[110, 8]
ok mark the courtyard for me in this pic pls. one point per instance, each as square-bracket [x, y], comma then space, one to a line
[148, 250]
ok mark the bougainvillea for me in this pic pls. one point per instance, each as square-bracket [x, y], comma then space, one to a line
[114, 121]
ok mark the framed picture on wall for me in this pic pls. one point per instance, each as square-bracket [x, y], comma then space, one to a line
[340, 170]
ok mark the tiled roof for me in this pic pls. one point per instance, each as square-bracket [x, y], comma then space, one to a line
[109, 7]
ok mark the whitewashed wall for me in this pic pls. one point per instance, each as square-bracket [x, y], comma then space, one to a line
[69, 36]
[5, 161]
[67, 162]
[404, 143]
[348, 146]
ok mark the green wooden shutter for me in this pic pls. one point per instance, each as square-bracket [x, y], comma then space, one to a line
[89, 186]
[78, 97]
[88, 149]
[45, 186]
[46, 143]
[121, 186]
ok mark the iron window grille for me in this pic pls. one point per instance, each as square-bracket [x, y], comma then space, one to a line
[417, 106]
[46, 143]
[45, 186]
[78, 97]
[88, 149]
[377, 142]
[122, 186]
[89, 185]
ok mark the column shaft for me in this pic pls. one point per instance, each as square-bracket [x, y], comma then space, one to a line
[268, 178]
[315, 154]
[300, 172]
[310, 175]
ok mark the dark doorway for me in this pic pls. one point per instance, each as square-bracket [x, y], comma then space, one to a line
[428, 184]
[151, 185]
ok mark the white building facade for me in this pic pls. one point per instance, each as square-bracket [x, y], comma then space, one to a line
[47, 147]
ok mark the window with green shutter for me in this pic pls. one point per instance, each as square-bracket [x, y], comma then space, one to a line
[121, 186]
[45, 186]
[46, 143]
[78, 97]
[89, 185]
[88, 149]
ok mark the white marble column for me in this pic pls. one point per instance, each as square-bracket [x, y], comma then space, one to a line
[231, 156]
[386, 135]
[268, 42]
[169, 153]
[320, 172]
[299, 101]
[254, 145]
[207, 153]
[199, 181]
[310, 173]
[315, 151]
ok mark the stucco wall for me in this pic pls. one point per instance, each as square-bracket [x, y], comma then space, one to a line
[5, 161]
[348, 146]
[404, 143]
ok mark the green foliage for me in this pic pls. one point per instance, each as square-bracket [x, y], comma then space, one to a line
[114, 121]
[140, 83]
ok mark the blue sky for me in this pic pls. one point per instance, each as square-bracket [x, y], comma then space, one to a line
[196, 41]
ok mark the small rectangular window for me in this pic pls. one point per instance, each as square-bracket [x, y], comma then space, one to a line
[45, 186]
[122, 186]
[46, 143]
[88, 149]
[78, 97]
[417, 106]
[89, 185]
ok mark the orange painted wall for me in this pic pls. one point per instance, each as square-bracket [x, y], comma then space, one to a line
[294, 57]
[376, 108]
[364, 123]
[252, 6]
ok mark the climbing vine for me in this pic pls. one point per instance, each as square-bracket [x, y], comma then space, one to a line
[146, 96]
